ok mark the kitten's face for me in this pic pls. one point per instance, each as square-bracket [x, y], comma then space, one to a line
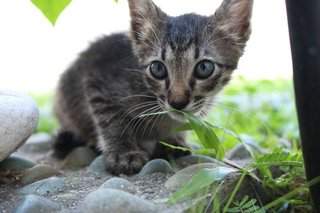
[188, 59]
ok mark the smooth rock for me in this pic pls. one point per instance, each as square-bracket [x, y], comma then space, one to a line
[19, 116]
[48, 186]
[113, 200]
[35, 204]
[119, 183]
[16, 163]
[240, 152]
[97, 165]
[37, 173]
[183, 176]
[156, 165]
[249, 186]
[79, 158]
[189, 160]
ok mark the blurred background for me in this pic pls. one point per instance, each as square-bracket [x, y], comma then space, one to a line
[33, 53]
[258, 105]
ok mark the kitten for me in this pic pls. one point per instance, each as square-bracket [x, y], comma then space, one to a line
[108, 98]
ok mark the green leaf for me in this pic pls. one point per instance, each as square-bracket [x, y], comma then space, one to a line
[253, 208]
[244, 200]
[204, 178]
[182, 128]
[207, 152]
[51, 9]
[249, 204]
[234, 209]
[206, 135]
[228, 131]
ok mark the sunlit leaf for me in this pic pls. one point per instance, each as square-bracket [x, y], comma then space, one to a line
[51, 9]
[206, 135]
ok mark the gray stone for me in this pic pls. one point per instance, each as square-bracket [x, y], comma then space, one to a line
[184, 175]
[16, 163]
[121, 184]
[113, 200]
[189, 160]
[249, 186]
[47, 186]
[79, 158]
[35, 204]
[97, 165]
[38, 142]
[240, 152]
[37, 173]
[156, 165]
[19, 117]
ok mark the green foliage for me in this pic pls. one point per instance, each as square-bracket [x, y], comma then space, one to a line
[51, 9]
[207, 137]
[247, 206]
[278, 157]
[47, 122]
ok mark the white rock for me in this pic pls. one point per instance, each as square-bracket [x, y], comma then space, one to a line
[18, 119]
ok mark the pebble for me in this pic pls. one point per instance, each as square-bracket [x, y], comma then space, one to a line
[114, 200]
[121, 184]
[38, 142]
[48, 186]
[35, 204]
[16, 163]
[239, 152]
[37, 173]
[183, 176]
[19, 116]
[156, 165]
[189, 160]
[79, 157]
[97, 165]
[249, 186]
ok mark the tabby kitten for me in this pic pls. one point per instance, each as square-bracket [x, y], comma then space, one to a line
[108, 98]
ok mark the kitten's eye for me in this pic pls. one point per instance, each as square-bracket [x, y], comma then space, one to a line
[204, 69]
[158, 70]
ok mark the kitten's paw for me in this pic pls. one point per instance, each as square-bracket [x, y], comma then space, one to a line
[127, 163]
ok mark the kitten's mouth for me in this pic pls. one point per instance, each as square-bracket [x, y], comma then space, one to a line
[178, 116]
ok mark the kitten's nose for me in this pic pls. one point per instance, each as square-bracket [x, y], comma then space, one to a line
[178, 98]
[179, 105]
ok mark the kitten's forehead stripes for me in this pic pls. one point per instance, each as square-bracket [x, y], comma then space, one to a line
[163, 54]
[197, 53]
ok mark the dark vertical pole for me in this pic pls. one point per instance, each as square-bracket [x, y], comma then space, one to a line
[304, 27]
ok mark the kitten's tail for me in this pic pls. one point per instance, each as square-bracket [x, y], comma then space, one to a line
[65, 142]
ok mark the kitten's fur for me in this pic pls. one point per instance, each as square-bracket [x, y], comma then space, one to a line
[102, 97]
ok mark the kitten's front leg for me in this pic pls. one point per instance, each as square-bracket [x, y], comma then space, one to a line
[121, 153]
[122, 156]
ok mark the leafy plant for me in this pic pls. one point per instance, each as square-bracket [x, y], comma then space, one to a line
[246, 205]
[51, 9]
[277, 157]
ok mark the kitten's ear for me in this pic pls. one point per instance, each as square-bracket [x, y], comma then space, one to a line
[233, 19]
[146, 18]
